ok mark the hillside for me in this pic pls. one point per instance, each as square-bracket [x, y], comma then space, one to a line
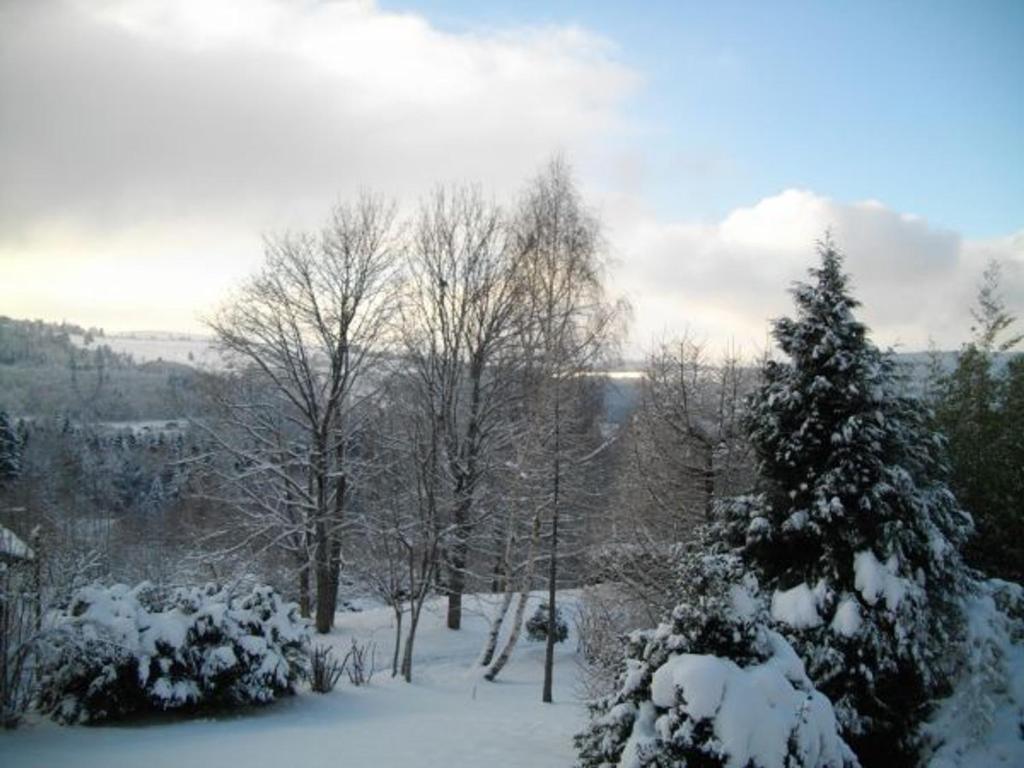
[49, 368]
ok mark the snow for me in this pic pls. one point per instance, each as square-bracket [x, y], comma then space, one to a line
[186, 349]
[446, 717]
[846, 621]
[13, 547]
[701, 679]
[642, 738]
[743, 600]
[874, 579]
[797, 607]
[168, 629]
[982, 724]
[759, 713]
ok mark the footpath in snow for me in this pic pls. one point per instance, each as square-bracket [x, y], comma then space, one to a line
[447, 717]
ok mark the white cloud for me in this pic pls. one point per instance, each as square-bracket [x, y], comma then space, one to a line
[187, 127]
[146, 144]
[727, 279]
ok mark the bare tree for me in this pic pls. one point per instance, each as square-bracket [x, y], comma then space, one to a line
[258, 466]
[680, 450]
[564, 333]
[311, 324]
[689, 445]
[397, 534]
[461, 309]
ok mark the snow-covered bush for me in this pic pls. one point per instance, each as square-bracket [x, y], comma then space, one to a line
[986, 706]
[119, 650]
[714, 687]
[537, 625]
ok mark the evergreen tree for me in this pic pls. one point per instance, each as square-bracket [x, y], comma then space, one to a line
[10, 451]
[714, 686]
[855, 532]
[980, 408]
[848, 554]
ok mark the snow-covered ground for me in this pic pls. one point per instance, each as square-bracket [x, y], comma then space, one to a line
[446, 717]
[187, 349]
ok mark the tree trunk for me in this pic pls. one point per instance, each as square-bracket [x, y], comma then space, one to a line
[524, 596]
[456, 585]
[37, 579]
[334, 535]
[709, 482]
[398, 638]
[502, 576]
[334, 566]
[513, 637]
[325, 598]
[549, 650]
[492, 636]
[304, 597]
[457, 561]
[414, 620]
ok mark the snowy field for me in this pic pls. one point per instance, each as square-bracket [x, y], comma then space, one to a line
[187, 349]
[446, 717]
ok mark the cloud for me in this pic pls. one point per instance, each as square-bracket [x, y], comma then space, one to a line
[121, 110]
[154, 130]
[726, 279]
[146, 144]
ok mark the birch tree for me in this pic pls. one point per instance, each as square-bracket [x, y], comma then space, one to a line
[572, 324]
[564, 333]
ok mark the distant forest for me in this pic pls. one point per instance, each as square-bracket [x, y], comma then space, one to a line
[43, 371]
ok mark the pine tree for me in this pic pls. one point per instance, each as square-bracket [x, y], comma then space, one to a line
[10, 451]
[855, 532]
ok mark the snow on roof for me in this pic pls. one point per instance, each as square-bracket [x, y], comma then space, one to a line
[12, 547]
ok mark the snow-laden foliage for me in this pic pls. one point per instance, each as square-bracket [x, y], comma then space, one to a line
[982, 721]
[537, 624]
[854, 531]
[714, 687]
[848, 552]
[119, 650]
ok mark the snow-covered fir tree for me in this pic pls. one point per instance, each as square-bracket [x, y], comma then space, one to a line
[842, 574]
[715, 686]
[854, 533]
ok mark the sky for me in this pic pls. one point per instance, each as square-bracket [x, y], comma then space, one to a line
[146, 146]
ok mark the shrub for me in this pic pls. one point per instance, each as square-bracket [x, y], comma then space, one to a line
[714, 687]
[360, 662]
[324, 669]
[537, 625]
[18, 606]
[120, 650]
